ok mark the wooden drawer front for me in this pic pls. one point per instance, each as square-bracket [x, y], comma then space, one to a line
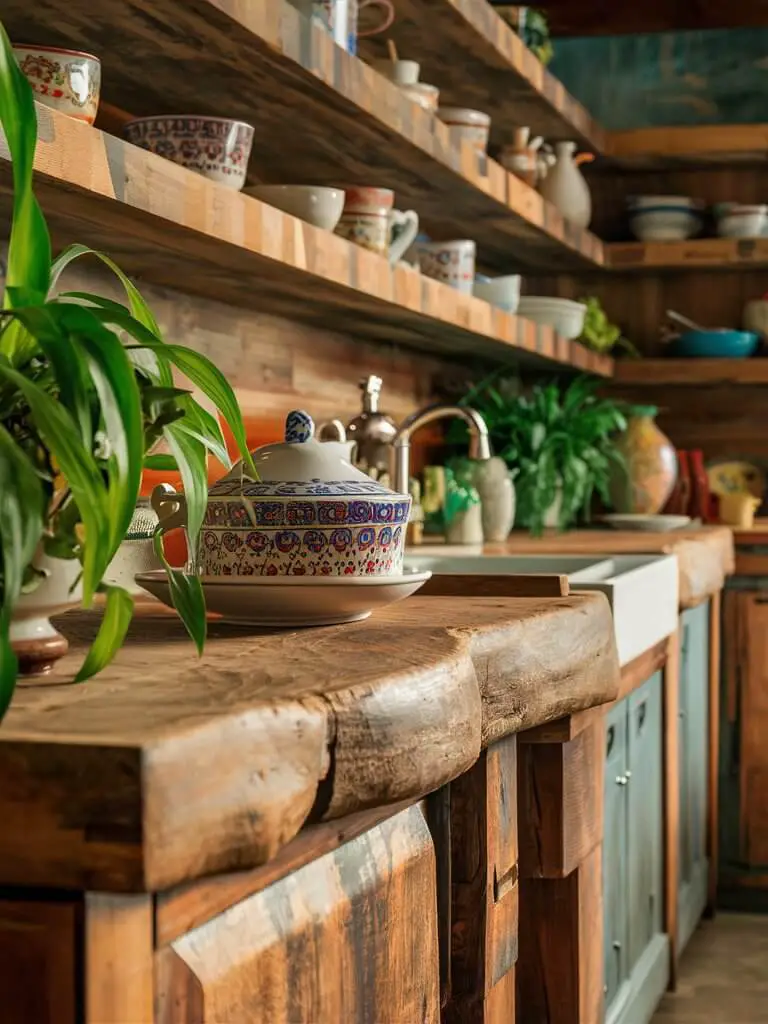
[349, 937]
[561, 802]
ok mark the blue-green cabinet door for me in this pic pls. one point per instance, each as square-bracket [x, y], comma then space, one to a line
[684, 858]
[615, 930]
[645, 816]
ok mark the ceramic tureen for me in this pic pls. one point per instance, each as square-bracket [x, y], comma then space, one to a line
[312, 513]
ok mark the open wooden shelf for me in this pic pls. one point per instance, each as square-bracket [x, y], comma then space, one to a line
[658, 149]
[173, 227]
[475, 58]
[691, 372]
[321, 116]
[695, 254]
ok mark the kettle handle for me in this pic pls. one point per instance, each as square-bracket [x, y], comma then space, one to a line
[170, 507]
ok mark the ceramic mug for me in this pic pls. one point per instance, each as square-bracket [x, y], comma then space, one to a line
[370, 221]
[453, 263]
[339, 18]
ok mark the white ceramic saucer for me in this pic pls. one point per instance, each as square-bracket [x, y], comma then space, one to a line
[646, 523]
[294, 600]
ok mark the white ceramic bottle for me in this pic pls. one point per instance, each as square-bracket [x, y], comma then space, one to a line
[566, 188]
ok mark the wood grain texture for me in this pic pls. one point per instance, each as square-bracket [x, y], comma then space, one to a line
[705, 555]
[567, 728]
[502, 585]
[330, 721]
[350, 936]
[713, 744]
[662, 147]
[349, 119]
[560, 965]
[709, 253]
[671, 761]
[752, 711]
[117, 959]
[641, 668]
[691, 372]
[178, 229]
[500, 75]
[484, 882]
[38, 961]
[560, 794]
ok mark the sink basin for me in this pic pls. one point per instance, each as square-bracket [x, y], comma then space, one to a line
[642, 589]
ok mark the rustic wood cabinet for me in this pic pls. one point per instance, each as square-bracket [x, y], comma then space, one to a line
[636, 950]
[693, 731]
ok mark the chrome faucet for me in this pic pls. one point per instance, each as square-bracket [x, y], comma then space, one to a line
[479, 445]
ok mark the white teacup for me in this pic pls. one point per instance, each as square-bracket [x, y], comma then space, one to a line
[370, 221]
[503, 292]
[311, 203]
[453, 263]
[401, 72]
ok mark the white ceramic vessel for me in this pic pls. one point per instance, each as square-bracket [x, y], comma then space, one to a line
[566, 188]
[453, 263]
[742, 222]
[311, 513]
[314, 204]
[36, 642]
[289, 601]
[472, 126]
[503, 292]
[65, 80]
[401, 72]
[665, 225]
[564, 315]
[646, 523]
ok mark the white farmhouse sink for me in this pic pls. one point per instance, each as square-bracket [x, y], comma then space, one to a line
[642, 589]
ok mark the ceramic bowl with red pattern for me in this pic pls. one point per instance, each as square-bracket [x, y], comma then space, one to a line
[65, 80]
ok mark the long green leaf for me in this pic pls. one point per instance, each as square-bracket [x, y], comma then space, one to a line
[21, 527]
[115, 621]
[80, 469]
[29, 249]
[186, 595]
[191, 459]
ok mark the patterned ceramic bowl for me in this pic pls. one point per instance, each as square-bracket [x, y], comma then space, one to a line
[312, 513]
[66, 80]
[215, 147]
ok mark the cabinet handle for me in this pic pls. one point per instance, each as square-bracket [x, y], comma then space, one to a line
[641, 712]
[621, 780]
[627, 775]
[610, 740]
[616, 944]
[681, 713]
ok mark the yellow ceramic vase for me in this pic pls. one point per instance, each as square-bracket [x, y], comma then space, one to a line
[651, 466]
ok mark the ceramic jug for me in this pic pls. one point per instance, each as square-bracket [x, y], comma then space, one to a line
[497, 497]
[565, 187]
[646, 483]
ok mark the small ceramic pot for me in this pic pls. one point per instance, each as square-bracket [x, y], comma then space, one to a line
[215, 147]
[311, 514]
[318, 206]
[36, 643]
[427, 96]
[472, 126]
[401, 72]
[453, 263]
[65, 80]
[497, 498]
[137, 552]
[503, 292]
[738, 510]
[755, 317]
[370, 221]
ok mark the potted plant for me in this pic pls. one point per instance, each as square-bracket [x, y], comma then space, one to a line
[86, 392]
[559, 438]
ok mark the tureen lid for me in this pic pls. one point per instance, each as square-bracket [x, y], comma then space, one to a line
[300, 465]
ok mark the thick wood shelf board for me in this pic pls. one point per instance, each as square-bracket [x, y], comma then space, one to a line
[691, 372]
[175, 228]
[321, 116]
[661, 148]
[695, 254]
[475, 58]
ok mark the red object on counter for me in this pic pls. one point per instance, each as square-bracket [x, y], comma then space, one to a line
[699, 507]
[680, 498]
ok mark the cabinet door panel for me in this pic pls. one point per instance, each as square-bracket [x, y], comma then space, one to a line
[753, 716]
[645, 816]
[696, 729]
[685, 858]
[615, 852]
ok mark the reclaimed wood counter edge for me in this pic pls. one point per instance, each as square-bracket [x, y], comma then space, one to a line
[168, 768]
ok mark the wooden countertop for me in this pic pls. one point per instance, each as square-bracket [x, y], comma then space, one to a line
[166, 768]
[705, 553]
[757, 535]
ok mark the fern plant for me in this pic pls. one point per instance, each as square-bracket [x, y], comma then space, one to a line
[86, 391]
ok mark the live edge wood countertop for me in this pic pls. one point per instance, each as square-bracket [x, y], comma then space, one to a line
[168, 767]
[705, 554]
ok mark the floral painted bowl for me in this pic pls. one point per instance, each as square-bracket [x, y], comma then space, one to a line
[215, 147]
[312, 513]
[66, 80]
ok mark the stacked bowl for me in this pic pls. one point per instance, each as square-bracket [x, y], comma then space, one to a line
[664, 218]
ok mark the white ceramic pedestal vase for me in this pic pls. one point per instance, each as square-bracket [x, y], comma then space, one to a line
[566, 188]
[497, 498]
[36, 643]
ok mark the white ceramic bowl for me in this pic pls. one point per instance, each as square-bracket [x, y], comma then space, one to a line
[401, 72]
[65, 80]
[564, 315]
[499, 291]
[644, 202]
[314, 204]
[743, 222]
[471, 125]
[215, 147]
[665, 225]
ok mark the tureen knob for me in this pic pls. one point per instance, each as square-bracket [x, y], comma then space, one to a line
[299, 427]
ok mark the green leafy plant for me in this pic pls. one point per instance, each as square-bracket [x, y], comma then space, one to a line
[86, 391]
[560, 440]
[535, 34]
[599, 333]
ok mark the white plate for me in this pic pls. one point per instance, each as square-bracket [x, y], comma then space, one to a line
[294, 600]
[648, 524]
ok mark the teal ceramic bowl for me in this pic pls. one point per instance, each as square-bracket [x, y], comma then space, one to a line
[720, 344]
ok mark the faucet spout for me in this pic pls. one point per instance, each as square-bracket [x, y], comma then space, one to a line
[479, 442]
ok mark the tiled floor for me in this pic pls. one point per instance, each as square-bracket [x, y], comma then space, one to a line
[723, 976]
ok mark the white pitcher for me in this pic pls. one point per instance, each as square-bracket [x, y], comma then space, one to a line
[566, 188]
